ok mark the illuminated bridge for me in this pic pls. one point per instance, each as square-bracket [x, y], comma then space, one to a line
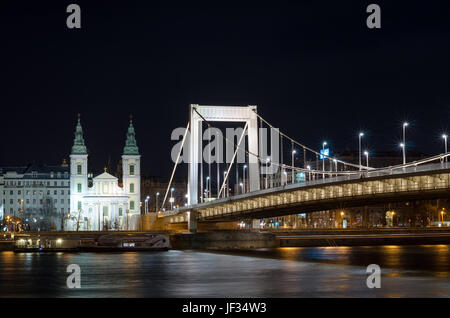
[324, 189]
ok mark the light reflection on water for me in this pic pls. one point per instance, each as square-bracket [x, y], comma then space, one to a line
[407, 271]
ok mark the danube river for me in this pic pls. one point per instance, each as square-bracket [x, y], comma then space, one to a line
[407, 271]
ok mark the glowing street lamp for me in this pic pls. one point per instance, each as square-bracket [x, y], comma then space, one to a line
[156, 206]
[361, 134]
[323, 158]
[445, 137]
[405, 124]
[292, 164]
[243, 173]
[366, 153]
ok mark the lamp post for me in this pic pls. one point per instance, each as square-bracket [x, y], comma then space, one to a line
[147, 199]
[292, 164]
[267, 164]
[309, 169]
[242, 187]
[366, 153]
[360, 137]
[323, 159]
[208, 182]
[404, 142]
[445, 137]
[243, 173]
[156, 205]
[171, 198]
[402, 145]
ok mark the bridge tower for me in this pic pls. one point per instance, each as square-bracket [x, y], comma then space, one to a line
[244, 114]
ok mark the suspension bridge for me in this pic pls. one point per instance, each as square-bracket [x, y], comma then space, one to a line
[268, 185]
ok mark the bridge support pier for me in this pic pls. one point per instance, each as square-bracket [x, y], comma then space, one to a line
[192, 221]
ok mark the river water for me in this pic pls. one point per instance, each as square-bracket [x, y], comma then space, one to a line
[406, 271]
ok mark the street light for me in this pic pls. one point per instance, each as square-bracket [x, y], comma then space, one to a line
[243, 172]
[207, 186]
[360, 136]
[242, 187]
[366, 153]
[323, 158]
[445, 144]
[156, 206]
[147, 199]
[309, 168]
[267, 163]
[402, 145]
[404, 142]
[171, 200]
[292, 164]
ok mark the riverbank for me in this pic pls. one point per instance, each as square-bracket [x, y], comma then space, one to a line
[232, 240]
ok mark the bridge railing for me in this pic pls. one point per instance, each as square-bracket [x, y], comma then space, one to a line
[396, 170]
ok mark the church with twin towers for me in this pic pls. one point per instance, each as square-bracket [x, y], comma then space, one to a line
[101, 203]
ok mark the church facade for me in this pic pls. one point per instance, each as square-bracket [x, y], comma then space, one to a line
[103, 204]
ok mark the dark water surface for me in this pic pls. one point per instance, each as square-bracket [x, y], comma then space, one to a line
[407, 271]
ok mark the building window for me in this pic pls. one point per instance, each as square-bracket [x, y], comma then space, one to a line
[78, 169]
[120, 211]
[131, 205]
[55, 192]
[131, 170]
[62, 191]
[79, 187]
[19, 192]
[131, 187]
[79, 206]
[105, 211]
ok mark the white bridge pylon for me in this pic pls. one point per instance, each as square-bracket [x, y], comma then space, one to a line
[198, 114]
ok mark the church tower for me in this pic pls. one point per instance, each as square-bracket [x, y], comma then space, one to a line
[78, 170]
[131, 166]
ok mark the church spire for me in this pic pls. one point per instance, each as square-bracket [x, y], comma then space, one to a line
[131, 147]
[79, 147]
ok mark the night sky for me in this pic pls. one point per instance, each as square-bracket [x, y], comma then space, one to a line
[313, 68]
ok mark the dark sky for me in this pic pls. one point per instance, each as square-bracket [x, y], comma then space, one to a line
[312, 67]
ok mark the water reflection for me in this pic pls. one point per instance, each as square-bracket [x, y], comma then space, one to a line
[413, 271]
